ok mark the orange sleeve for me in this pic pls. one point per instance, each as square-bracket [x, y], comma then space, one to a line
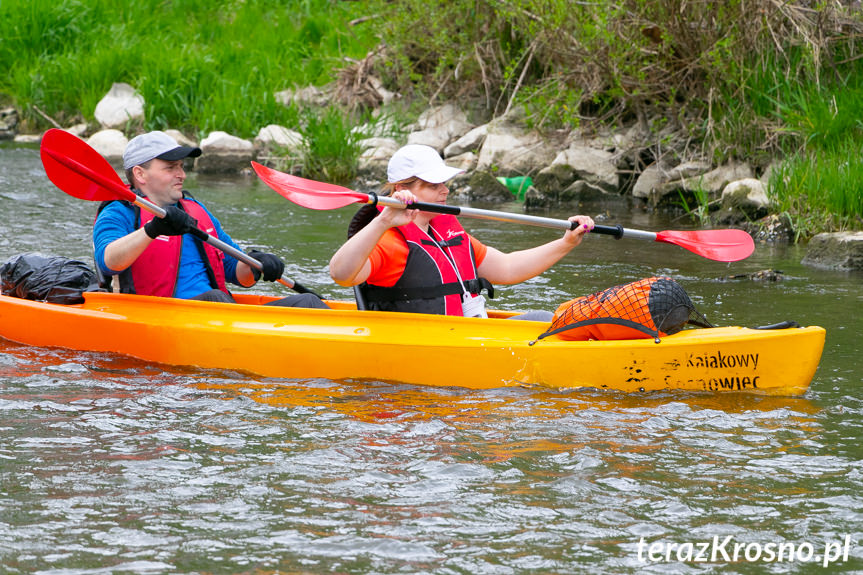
[479, 249]
[388, 259]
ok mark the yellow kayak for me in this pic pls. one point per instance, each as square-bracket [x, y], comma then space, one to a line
[344, 343]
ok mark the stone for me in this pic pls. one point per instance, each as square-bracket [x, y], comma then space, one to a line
[470, 142]
[308, 96]
[512, 151]
[222, 152]
[768, 275]
[28, 138]
[743, 200]
[578, 162]
[275, 136]
[439, 126]
[8, 123]
[686, 170]
[376, 155]
[122, 104]
[440, 116]
[839, 250]
[466, 161]
[378, 143]
[387, 97]
[181, 138]
[676, 184]
[437, 137]
[382, 127]
[110, 144]
[771, 228]
[78, 129]
[650, 179]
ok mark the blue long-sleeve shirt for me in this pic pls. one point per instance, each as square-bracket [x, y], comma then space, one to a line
[117, 220]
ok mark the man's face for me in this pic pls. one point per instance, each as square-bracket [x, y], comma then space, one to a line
[161, 181]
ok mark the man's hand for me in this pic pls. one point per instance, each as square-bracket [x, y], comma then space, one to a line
[272, 266]
[175, 223]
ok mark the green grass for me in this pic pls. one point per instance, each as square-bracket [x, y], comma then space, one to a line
[817, 126]
[822, 190]
[776, 109]
[786, 84]
[200, 65]
[331, 149]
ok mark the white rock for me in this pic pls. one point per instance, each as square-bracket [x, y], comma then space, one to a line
[310, 96]
[591, 165]
[109, 143]
[650, 179]
[466, 161]
[441, 115]
[470, 142]
[513, 151]
[27, 138]
[181, 138]
[749, 190]
[223, 141]
[275, 135]
[120, 105]
[77, 130]
[437, 137]
[379, 143]
[222, 152]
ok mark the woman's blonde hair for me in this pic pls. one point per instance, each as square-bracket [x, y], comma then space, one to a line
[390, 187]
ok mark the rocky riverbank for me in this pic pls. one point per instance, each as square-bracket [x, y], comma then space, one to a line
[565, 168]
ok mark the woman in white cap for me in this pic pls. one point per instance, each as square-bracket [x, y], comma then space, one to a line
[157, 256]
[424, 262]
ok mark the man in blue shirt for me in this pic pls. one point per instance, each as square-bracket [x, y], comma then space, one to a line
[156, 256]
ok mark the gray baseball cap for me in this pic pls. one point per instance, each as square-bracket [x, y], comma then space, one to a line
[156, 144]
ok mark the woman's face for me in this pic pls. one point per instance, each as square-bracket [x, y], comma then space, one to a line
[430, 193]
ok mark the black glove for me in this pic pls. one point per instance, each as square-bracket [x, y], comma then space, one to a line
[175, 223]
[271, 266]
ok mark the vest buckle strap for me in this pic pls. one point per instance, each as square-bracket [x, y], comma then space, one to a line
[450, 243]
[475, 287]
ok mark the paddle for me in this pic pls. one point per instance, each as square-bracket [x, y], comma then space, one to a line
[80, 171]
[719, 245]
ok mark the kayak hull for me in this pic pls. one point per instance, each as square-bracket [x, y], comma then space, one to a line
[343, 343]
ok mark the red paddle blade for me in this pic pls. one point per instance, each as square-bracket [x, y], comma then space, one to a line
[719, 245]
[309, 193]
[79, 170]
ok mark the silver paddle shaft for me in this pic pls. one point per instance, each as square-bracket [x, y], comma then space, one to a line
[212, 240]
[616, 231]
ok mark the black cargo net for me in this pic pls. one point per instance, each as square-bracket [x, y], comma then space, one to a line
[651, 307]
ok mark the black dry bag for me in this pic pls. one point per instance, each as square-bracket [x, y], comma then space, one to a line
[54, 279]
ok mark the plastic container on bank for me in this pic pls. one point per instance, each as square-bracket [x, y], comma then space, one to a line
[518, 185]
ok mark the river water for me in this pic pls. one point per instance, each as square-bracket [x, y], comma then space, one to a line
[112, 465]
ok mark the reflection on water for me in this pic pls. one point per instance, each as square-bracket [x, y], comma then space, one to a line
[111, 465]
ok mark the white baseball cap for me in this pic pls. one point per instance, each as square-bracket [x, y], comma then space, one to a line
[423, 162]
[156, 144]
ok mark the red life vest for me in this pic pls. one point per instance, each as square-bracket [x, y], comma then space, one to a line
[156, 269]
[429, 283]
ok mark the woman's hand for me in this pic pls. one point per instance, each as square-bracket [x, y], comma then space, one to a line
[393, 217]
[574, 237]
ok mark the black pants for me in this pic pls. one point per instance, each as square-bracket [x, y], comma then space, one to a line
[214, 295]
[299, 300]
